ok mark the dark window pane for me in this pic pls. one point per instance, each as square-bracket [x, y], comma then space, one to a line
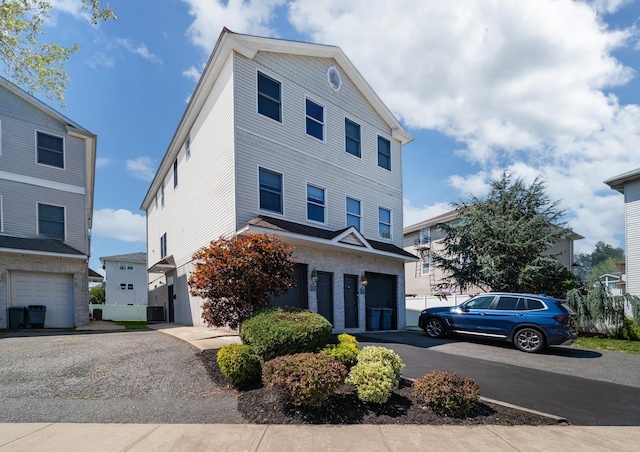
[270, 201]
[270, 190]
[353, 206]
[50, 150]
[315, 111]
[314, 129]
[534, 304]
[51, 221]
[507, 303]
[352, 137]
[385, 231]
[353, 221]
[384, 153]
[268, 87]
[480, 303]
[315, 194]
[384, 215]
[315, 212]
[269, 99]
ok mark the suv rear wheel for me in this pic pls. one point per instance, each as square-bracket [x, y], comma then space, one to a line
[529, 340]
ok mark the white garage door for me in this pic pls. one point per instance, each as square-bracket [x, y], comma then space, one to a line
[47, 289]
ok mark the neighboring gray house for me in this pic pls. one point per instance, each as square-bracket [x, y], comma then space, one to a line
[287, 138]
[629, 185]
[47, 165]
[125, 279]
[424, 239]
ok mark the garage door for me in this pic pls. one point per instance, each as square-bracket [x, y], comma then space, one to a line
[51, 290]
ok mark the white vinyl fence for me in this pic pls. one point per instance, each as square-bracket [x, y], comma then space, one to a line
[415, 305]
[120, 312]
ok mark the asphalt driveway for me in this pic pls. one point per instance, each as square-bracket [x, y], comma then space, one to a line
[584, 386]
[122, 377]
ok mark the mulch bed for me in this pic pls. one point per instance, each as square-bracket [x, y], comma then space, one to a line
[259, 405]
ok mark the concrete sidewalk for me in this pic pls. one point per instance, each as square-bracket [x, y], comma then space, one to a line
[199, 336]
[321, 438]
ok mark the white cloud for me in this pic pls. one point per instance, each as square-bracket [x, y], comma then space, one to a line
[139, 49]
[413, 214]
[192, 74]
[99, 60]
[240, 16]
[102, 162]
[609, 6]
[73, 7]
[142, 168]
[119, 224]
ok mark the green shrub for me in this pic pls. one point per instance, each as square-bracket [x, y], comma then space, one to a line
[239, 363]
[306, 379]
[346, 351]
[629, 330]
[275, 332]
[383, 355]
[374, 382]
[446, 393]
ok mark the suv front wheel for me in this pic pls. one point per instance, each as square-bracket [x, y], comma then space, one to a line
[434, 328]
[529, 340]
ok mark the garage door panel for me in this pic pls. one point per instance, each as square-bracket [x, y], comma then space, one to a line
[55, 291]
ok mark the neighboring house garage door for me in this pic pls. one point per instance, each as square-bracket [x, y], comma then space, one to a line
[55, 291]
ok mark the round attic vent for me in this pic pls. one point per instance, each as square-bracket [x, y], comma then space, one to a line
[333, 76]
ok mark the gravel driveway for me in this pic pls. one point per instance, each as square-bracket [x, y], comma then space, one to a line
[124, 377]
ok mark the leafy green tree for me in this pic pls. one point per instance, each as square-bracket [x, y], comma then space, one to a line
[97, 294]
[237, 277]
[601, 261]
[36, 66]
[496, 243]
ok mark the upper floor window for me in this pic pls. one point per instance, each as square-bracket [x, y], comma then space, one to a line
[352, 137]
[175, 173]
[425, 236]
[125, 266]
[269, 97]
[315, 203]
[50, 150]
[1, 217]
[384, 223]
[425, 266]
[163, 246]
[162, 195]
[187, 146]
[51, 221]
[354, 215]
[315, 120]
[270, 190]
[384, 153]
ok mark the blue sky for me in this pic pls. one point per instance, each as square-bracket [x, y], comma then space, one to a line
[544, 88]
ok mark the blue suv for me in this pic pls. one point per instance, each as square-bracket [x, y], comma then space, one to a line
[531, 322]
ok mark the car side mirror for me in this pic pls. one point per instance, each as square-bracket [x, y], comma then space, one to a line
[464, 308]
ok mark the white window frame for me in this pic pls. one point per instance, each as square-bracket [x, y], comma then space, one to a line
[324, 206]
[187, 146]
[175, 173]
[424, 261]
[0, 138]
[347, 213]
[311, 118]
[64, 147]
[162, 195]
[275, 212]
[64, 208]
[163, 246]
[129, 286]
[281, 101]
[346, 138]
[1, 212]
[390, 223]
[122, 266]
[380, 137]
[426, 236]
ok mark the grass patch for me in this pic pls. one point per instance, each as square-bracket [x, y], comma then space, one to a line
[612, 345]
[132, 324]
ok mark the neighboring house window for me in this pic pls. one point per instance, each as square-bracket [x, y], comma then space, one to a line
[315, 203]
[129, 266]
[384, 153]
[425, 266]
[162, 195]
[50, 150]
[0, 137]
[352, 137]
[187, 146]
[354, 215]
[269, 97]
[1, 216]
[125, 266]
[315, 120]
[425, 236]
[163, 246]
[270, 190]
[384, 223]
[130, 286]
[175, 173]
[51, 221]
[123, 286]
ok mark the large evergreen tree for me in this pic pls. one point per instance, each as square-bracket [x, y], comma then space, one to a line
[496, 243]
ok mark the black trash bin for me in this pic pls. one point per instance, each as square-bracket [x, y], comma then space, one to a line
[36, 315]
[155, 313]
[97, 314]
[386, 318]
[18, 317]
[373, 319]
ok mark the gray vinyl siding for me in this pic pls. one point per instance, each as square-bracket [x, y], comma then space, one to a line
[286, 148]
[201, 208]
[19, 152]
[632, 233]
[12, 106]
[20, 211]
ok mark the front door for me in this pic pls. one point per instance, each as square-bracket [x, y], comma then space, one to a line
[325, 295]
[171, 304]
[350, 301]
[295, 297]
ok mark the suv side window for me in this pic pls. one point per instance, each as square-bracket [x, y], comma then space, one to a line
[482, 302]
[534, 304]
[506, 303]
